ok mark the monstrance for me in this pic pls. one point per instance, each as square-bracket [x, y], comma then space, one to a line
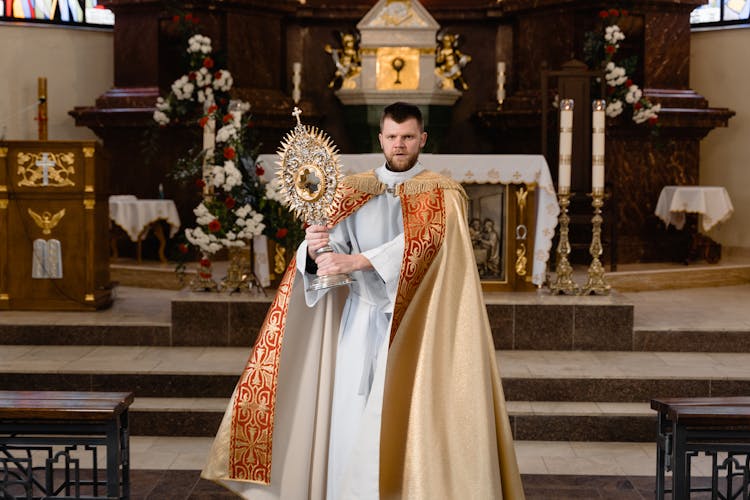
[310, 173]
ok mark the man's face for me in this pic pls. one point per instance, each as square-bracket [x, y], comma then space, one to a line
[401, 143]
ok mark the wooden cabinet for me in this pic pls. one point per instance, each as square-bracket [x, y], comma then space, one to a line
[53, 226]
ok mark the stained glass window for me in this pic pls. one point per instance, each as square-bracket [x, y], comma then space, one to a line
[72, 12]
[721, 13]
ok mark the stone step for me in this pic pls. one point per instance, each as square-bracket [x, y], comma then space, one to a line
[530, 420]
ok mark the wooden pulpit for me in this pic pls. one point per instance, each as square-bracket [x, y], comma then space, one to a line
[53, 226]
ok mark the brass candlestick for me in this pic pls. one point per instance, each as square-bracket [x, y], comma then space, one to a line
[564, 283]
[596, 283]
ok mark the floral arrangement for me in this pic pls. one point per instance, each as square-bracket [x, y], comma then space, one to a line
[600, 51]
[236, 204]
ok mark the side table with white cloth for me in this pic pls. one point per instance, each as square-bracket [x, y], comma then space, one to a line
[136, 216]
[711, 203]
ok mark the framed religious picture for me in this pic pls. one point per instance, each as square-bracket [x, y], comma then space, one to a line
[501, 227]
[488, 229]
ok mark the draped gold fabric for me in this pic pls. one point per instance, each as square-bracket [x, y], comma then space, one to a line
[445, 430]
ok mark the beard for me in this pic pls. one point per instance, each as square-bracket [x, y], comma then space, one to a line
[400, 162]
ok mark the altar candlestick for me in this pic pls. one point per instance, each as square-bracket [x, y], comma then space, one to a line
[597, 146]
[500, 83]
[42, 108]
[566, 145]
[296, 81]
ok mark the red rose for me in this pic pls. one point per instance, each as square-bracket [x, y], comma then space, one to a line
[214, 226]
[217, 75]
[211, 109]
[200, 183]
[229, 202]
[603, 14]
[259, 170]
[182, 248]
[637, 106]
[191, 75]
[614, 12]
[202, 122]
[229, 153]
[227, 118]
[281, 233]
[175, 19]
[652, 121]
[610, 49]
[208, 63]
[188, 16]
[624, 12]
[204, 262]
[629, 82]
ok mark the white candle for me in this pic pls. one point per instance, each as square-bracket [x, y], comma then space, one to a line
[500, 82]
[209, 140]
[566, 145]
[296, 81]
[597, 145]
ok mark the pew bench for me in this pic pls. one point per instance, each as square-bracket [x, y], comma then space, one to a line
[689, 426]
[50, 444]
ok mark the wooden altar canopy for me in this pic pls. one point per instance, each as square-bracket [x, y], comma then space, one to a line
[53, 226]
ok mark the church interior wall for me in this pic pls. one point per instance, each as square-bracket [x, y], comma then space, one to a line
[717, 72]
[79, 67]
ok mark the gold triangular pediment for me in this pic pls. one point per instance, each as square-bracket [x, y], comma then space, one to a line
[398, 14]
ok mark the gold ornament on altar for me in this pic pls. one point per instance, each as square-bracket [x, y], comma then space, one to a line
[310, 173]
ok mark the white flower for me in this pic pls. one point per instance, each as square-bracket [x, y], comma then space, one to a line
[274, 190]
[615, 75]
[232, 175]
[613, 34]
[208, 243]
[634, 94]
[202, 215]
[646, 113]
[217, 175]
[203, 77]
[199, 43]
[226, 133]
[223, 80]
[160, 117]
[614, 108]
[162, 104]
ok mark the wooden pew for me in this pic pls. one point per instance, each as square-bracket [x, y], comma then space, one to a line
[687, 426]
[46, 431]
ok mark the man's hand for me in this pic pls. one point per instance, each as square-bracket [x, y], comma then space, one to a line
[341, 263]
[317, 237]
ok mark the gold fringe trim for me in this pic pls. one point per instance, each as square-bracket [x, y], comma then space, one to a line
[430, 181]
[365, 182]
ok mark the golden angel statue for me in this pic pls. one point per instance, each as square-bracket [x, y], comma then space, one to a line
[449, 62]
[347, 60]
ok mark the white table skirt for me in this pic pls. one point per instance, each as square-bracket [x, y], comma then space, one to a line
[711, 202]
[478, 169]
[135, 216]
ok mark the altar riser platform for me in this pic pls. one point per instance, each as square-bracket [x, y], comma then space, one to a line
[514, 327]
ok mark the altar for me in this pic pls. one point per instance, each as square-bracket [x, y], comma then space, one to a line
[512, 210]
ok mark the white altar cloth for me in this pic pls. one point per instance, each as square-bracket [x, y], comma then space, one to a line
[135, 216]
[711, 202]
[478, 169]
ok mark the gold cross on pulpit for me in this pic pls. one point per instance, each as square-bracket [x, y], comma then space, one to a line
[45, 163]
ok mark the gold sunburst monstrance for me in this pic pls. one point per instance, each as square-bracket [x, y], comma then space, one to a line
[310, 172]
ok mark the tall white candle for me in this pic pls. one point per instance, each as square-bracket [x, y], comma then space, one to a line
[209, 141]
[500, 82]
[566, 145]
[296, 82]
[597, 145]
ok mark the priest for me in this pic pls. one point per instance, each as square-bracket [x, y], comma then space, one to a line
[387, 388]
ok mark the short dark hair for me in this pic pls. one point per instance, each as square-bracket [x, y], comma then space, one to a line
[399, 112]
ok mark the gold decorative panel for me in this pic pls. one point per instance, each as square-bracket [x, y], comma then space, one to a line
[398, 13]
[44, 169]
[397, 68]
